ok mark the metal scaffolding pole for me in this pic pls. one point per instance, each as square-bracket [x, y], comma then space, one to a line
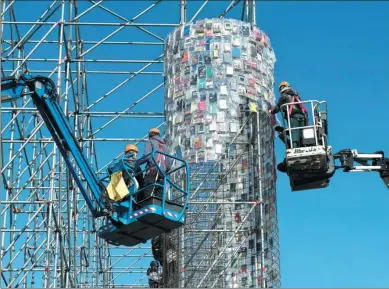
[251, 13]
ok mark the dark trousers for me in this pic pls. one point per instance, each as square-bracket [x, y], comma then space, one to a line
[152, 176]
[153, 284]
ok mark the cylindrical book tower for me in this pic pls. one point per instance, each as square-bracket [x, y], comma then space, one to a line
[214, 69]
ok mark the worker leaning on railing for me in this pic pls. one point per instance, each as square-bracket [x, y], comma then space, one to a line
[298, 113]
[152, 175]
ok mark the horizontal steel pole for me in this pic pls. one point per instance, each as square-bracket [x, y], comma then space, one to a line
[25, 202]
[127, 285]
[108, 113]
[45, 230]
[123, 113]
[131, 256]
[92, 23]
[27, 230]
[105, 115]
[216, 231]
[126, 271]
[80, 140]
[8, 41]
[128, 116]
[223, 203]
[211, 212]
[84, 60]
[36, 71]
[142, 247]
[36, 268]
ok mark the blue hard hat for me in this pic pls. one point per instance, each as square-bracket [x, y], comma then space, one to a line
[154, 263]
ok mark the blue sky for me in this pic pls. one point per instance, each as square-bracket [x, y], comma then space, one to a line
[339, 236]
[334, 51]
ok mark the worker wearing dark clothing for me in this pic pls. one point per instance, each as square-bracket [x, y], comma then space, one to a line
[156, 249]
[155, 277]
[155, 143]
[164, 251]
[296, 112]
[157, 245]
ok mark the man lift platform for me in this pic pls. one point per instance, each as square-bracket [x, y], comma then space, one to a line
[311, 164]
[126, 224]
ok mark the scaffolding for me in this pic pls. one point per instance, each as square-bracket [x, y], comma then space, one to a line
[232, 221]
[106, 59]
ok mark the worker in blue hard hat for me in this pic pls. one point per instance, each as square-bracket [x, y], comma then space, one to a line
[155, 278]
[155, 143]
[297, 112]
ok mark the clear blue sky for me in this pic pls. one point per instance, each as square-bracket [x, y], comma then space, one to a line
[337, 51]
[336, 237]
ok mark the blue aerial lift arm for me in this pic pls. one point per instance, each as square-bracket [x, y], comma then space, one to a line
[131, 220]
[43, 92]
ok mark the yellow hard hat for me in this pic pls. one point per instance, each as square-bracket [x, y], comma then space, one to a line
[131, 147]
[154, 130]
[282, 84]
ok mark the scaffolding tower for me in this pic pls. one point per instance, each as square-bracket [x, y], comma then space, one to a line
[220, 225]
[106, 59]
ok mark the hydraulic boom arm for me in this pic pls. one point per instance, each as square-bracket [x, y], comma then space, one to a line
[43, 92]
[368, 163]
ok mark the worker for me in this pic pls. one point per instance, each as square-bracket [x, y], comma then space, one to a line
[155, 278]
[298, 112]
[157, 247]
[117, 172]
[164, 251]
[152, 175]
[131, 151]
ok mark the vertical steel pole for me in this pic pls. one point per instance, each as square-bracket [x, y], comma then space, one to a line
[1, 141]
[251, 12]
[182, 12]
[261, 215]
